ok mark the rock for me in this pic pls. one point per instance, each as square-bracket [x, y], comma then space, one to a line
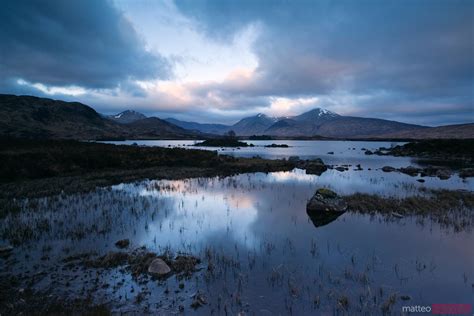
[466, 173]
[341, 169]
[388, 169]
[158, 268]
[397, 215]
[359, 167]
[410, 170]
[316, 167]
[420, 180]
[199, 300]
[368, 152]
[330, 153]
[325, 206]
[443, 174]
[123, 243]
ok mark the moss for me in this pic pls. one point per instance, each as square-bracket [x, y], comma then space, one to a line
[326, 193]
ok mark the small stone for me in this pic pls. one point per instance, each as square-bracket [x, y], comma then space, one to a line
[199, 300]
[158, 268]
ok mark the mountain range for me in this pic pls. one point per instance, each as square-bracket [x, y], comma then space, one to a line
[33, 117]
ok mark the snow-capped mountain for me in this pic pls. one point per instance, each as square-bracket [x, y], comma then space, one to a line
[316, 114]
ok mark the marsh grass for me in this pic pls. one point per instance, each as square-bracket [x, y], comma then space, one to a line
[451, 208]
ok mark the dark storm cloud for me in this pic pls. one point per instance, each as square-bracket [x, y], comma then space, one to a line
[85, 43]
[409, 50]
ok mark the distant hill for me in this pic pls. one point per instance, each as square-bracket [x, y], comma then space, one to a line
[127, 116]
[316, 122]
[33, 117]
[328, 124]
[218, 129]
[459, 131]
[254, 125]
[153, 127]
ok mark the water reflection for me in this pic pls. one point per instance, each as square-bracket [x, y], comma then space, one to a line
[256, 229]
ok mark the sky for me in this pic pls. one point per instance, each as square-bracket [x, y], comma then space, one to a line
[221, 60]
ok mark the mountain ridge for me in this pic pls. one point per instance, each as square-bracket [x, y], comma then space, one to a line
[44, 118]
[34, 117]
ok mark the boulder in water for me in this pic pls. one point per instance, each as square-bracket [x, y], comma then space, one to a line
[325, 206]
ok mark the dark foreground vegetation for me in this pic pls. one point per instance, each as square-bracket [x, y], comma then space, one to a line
[453, 152]
[46, 167]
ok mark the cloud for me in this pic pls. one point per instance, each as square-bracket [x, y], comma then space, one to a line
[85, 43]
[418, 54]
[227, 59]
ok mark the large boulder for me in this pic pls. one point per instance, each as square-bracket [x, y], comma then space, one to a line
[325, 206]
[158, 268]
[316, 167]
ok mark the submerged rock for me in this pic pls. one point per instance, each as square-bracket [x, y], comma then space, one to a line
[123, 243]
[158, 268]
[325, 206]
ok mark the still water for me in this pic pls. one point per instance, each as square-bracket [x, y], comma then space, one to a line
[267, 255]
[343, 151]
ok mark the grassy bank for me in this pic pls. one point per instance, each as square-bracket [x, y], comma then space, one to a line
[36, 168]
[447, 207]
[455, 152]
